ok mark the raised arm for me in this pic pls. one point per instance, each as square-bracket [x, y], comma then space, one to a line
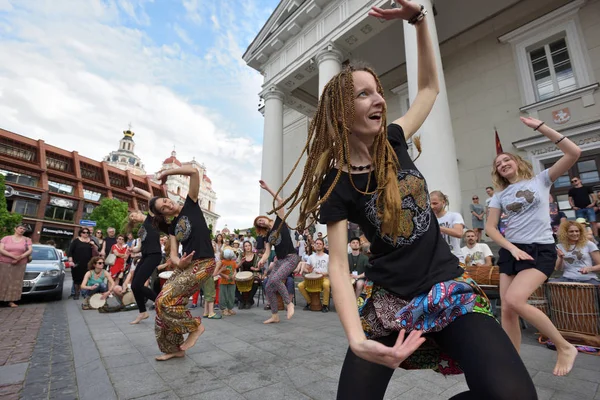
[571, 150]
[141, 192]
[427, 79]
[188, 170]
[278, 199]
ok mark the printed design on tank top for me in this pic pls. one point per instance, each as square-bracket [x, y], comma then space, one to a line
[416, 209]
[573, 256]
[183, 229]
[142, 233]
[524, 200]
[274, 240]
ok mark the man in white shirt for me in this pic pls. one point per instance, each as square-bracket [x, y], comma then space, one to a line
[476, 254]
[318, 262]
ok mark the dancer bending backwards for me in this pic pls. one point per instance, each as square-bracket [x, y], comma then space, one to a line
[278, 236]
[188, 227]
[151, 256]
[528, 254]
[359, 170]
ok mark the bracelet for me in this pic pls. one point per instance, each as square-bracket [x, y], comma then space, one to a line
[560, 140]
[419, 16]
[539, 126]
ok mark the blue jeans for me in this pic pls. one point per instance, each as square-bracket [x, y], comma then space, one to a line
[102, 288]
[587, 213]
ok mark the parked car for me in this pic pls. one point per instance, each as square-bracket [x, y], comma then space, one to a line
[45, 274]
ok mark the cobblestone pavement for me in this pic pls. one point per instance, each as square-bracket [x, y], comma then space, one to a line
[240, 358]
[18, 332]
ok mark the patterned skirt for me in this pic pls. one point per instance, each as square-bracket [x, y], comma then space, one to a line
[383, 313]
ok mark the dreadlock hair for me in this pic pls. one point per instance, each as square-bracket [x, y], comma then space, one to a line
[327, 147]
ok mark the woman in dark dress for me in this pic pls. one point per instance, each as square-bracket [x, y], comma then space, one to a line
[249, 262]
[81, 251]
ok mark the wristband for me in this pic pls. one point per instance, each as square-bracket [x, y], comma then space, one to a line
[560, 140]
[418, 17]
[539, 126]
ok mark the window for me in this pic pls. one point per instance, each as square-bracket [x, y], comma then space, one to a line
[588, 172]
[59, 213]
[62, 188]
[25, 207]
[552, 69]
[550, 54]
[20, 178]
[91, 195]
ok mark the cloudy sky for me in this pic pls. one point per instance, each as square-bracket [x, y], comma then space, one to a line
[75, 73]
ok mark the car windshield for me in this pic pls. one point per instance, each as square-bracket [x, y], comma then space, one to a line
[44, 254]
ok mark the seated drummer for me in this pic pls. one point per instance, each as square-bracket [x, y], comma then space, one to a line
[249, 262]
[578, 257]
[95, 281]
[476, 254]
[318, 262]
[358, 263]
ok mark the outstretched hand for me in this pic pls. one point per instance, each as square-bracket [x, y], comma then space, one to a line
[263, 185]
[391, 357]
[162, 178]
[406, 10]
[530, 122]
[185, 260]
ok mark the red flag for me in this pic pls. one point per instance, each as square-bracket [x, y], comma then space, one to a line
[498, 144]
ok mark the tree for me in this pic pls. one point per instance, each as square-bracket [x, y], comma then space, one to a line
[110, 213]
[253, 232]
[210, 228]
[8, 220]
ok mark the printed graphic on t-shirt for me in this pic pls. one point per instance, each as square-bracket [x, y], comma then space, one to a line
[447, 238]
[274, 240]
[319, 264]
[416, 210]
[573, 256]
[183, 229]
[524, 200]
[142, 233]
[477, 257]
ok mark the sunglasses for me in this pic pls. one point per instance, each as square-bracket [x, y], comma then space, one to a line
[475, 198]
[574, 180]
[86, 232]
[100, 263]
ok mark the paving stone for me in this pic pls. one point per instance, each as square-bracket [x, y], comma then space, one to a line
[246, 381]
[322, 390]
[13, 373]
[275, 392]
[571, 385]
[136, 382]
[168, 395]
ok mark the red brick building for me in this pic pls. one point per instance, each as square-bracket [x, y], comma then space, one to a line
[54, 189]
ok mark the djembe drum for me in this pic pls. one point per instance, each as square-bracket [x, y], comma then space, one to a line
[539, 300]
[484, 275]
[313, 283]
[164, 277]
[575, 311]
[96, 301]
[244, 281]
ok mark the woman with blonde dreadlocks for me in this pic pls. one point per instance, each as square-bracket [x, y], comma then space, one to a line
[359, 170]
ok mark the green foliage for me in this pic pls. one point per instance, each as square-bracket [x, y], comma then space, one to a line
[253, 232]
[8, 220]
[210, 228]
[110, 213]
[236, 231]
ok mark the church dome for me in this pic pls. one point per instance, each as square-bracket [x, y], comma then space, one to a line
[172, 160]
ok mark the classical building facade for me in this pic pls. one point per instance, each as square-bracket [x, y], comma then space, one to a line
[125, 158]
[55, 189]
[497, 60]
[178, 187]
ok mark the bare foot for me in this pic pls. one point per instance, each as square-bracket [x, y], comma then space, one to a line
[139, 318]
[566, 359]
[273, 320]
[290, 310]
[166, 357]
[13, 305]
[192, 338]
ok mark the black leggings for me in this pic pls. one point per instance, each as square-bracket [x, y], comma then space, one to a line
[141, 274]
[492, 366]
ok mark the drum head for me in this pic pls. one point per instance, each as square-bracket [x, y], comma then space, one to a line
[165, 275]
[313, 275]
[243, 276]
[128, 298]
[96, 301]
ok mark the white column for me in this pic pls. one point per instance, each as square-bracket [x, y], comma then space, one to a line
[329, 61]
[272, 156]
[438, 163]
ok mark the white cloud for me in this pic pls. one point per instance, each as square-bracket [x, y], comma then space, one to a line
[183, 35]
[193, 12]
[5, 5]
[215, 22]
[76, 77]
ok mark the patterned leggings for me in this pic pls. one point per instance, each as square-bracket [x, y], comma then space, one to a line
[277, 278]
[173, 319]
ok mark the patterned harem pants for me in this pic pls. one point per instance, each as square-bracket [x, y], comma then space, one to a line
[276, 282]
[173, 319]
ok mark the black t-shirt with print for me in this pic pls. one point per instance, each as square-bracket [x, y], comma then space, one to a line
[283, 242]
[581, 196]
[419, 258]
[190, 229]
[150, 238]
